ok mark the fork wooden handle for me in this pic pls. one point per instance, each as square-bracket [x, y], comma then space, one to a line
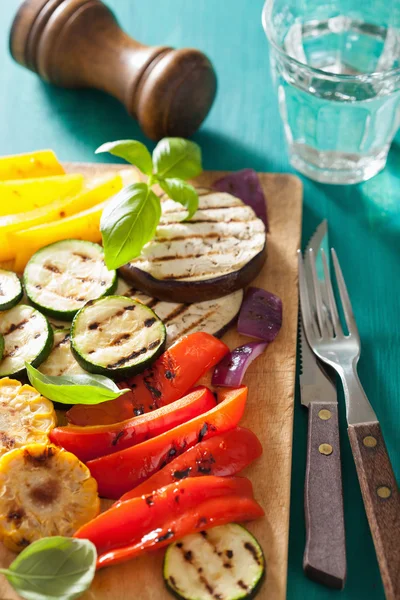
[381, 499]
[325, 552]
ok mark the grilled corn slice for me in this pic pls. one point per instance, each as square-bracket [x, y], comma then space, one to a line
[25, 416]
[44, 491]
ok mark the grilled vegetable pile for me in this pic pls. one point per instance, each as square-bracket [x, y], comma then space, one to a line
[140, 429]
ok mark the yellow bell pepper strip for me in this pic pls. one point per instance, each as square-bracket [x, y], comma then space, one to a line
[82, 226]
[21, 195]
[94, 192]
[42, 163]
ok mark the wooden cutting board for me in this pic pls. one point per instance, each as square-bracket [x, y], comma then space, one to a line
[269, 411]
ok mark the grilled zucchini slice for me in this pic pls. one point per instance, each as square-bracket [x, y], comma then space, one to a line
[224, 562]
[116, 336]
[45, 491]
[60, 278]
[25, 416]
[28, 337]
[10, 289]
[61, 361]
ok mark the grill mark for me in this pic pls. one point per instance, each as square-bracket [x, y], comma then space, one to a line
[253, 551]
[152, 303]
[201, 209]
[84, 257]
[132, 355]
[149, 322]
[61, 342]
[14, 326]
[188, 557]
[179, 310]
[182, 474]
[93, 325]
[242, 584]
[166, 536]
[16, 516]
[118, 436]
[120, 338]
[52, 268]
[196, 323]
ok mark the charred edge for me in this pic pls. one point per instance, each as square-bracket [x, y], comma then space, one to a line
[253, 551]
[203, 534]
[117, 438]
[138, 410]
[166, 536]
[148, 381]
[40, 460]
[182, 474]
[15, 326]
[169, 375]
[130, 307]
[149, 500]
[204, 470]
[16, 516]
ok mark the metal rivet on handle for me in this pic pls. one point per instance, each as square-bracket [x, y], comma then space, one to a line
[325, 449]
[384, 492]
[324, 414]
[369, 441]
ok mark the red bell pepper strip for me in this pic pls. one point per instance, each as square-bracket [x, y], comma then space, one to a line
[210, 513]
[88, 443]
[127, 522]
[118, 473]
[222, 455]
[168, 379]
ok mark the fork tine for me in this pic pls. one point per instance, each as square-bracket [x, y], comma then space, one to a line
[344, 296]
[304, 300]
[337, 327]
[317, 294]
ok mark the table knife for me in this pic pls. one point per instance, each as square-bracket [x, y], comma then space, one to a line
[325, 551]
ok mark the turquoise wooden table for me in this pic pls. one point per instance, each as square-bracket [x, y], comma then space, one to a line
[244, 130]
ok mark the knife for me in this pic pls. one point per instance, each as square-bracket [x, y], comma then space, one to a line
[325, 550]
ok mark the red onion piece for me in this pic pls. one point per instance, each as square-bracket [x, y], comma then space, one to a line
[230, 371]
[245, 185]
[260, 316]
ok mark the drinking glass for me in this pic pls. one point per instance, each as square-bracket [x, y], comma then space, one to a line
[336, 66]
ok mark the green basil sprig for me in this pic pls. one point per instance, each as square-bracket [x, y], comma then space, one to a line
[74, 389]
[131, 217]
[53, 568]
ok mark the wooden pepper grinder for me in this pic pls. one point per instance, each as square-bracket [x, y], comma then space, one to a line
[79, 43]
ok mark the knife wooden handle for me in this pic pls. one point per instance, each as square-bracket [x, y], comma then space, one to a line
[381, 499]
[325, 551]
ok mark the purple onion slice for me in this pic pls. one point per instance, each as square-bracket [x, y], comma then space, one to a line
[230, 371]
[245, 185]
[260, 316]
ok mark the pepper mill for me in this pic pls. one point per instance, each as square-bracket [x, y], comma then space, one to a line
[79, 44]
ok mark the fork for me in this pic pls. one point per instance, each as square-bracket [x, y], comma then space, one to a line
[341, 351]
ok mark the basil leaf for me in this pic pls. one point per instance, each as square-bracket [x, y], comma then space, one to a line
[53, 568]
[132, 151]
[74, 389]
[181, 192]
[128, 222]
[177, 157]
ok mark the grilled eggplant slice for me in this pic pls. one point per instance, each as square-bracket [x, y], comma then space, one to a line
[212, 316]
[60, 278]
[28, 337]
[61, 361]
[116, 336]
[220, 250]
[224, 562]
[10, 289]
